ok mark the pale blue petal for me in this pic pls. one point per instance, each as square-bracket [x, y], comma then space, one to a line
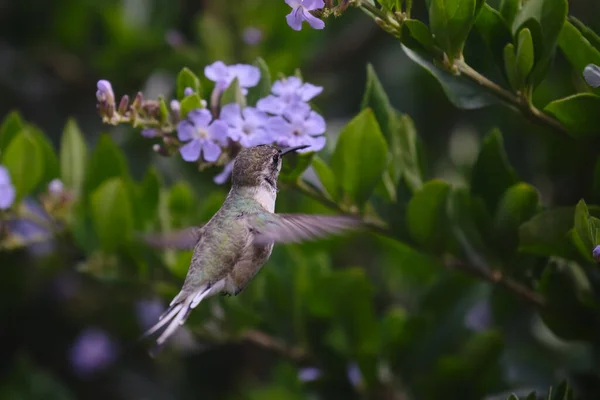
[255, 117]
[236, 135]
[185, 130]
[210, 151]
[232, 114]
[149, 132]
[271, 104]
[56, 187]
[279, 127]
[293, 3]
[217, 131]
[296, 112]
[217, 72]
[295, 18]
[309, 91]
[313, 4]
[4, 175]
[313, 21]
[286, 86]
[7, 195]
[222, 177]
[316, 144]
[247, 75]
[190, 152]
[188, 91]
[200, 117]
[314, 124]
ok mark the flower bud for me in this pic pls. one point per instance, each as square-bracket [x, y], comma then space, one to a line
[123, 104]
[138, 101]
[188, 91]
[160, 149]
[596, 253]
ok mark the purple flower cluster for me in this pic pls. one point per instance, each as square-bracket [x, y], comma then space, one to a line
[301, 12]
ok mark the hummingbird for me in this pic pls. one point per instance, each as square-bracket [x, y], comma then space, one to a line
[231, 248]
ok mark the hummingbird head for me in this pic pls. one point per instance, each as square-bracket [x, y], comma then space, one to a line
[259, 165]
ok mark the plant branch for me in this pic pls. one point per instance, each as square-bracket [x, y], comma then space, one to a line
[521, 104]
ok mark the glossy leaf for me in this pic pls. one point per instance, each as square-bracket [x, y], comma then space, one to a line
[73, 156]
[187, 79]
[509, 9]
[577, 48]
[294, 165]
[233, 94]
[111, 214]
[419, 33]
[578, 114]
[492, 174]
[326, 177]
[189, 103]
[106, 161]
[546, 233]
[517, 205]
[263, 88]
[10, 128]
[587, 33]
[360, 156]
[51, 168]
[510, 67]
[583, 227]
[462, 93]
[525, 54]
[450, 22]
[426, 215]
[24, 159]
[494, 32]
[149, 194]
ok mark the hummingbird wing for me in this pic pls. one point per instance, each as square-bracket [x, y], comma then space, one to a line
[294, 228]
[184, 239]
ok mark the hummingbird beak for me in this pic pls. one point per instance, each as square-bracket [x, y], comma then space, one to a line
[292, 149]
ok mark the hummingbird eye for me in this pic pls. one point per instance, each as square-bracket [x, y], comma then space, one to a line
[275, 158]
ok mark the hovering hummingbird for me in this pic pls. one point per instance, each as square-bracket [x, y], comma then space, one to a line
[237, 241]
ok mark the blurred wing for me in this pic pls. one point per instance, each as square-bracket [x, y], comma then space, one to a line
[591, 73]
[184, 239]
[293, 228]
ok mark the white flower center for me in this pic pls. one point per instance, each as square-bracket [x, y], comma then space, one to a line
[201, 133]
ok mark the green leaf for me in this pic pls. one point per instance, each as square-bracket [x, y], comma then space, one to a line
[216, 36]
[513, 397]
[492, 173]
[111, 214]
[419, 33]
[73, 156]
[525, 54]
[233, 94]
[546, 233]
[390, 5]
[263, 88]
[377, 100]
[517, 205]
[588, 33]
[181, 204]
[577, 48]
[510, 67]
[509, 9]
[583, 227]
[24, 159]
[450, 22]
[360, 156]
[149, 194]
[579, 114]
[463, 93]
[164, 110]
[190, 103]
[187, 79]
[106, 161]
[11, 126]
[426, 215]
[405, 152]
[50, 160]
[294, 165]
[494, 32]
[326, 177]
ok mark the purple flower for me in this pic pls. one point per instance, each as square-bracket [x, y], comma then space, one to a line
[7, 190]
[354, 374]
[148, 311]
[175, 106]
[92, 351]
[246, 126]
[188, 91]
[105, 93]
[286, 92]
[252, 36]
[149, 132]
[297, 126]
[301, 13]
[56, 187]
[591, 74]
[479, 317]
[596, 252]
[202, 136]
[309, 374]
[222, 177]
[247, 75]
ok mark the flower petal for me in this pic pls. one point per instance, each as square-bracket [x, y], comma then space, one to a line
[149, 132]
[185, 130]
[313, 4]
[232, 114]
[247, 75]
[255, 117]
[218, 131]
[236, 135]
[200, 117]
[309, 91]
[285, 86]
[293, 3]
[295, 18]
[7, 195]
[314, 124]
[222, 177]
[278, 127]
[210, 151]
[4, 175]
[271, 104]
[217, 72]
[313, 21]
[296, 112]
[190, 152]
[316, 144]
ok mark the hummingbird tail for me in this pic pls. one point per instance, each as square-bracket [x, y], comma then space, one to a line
[179, 311]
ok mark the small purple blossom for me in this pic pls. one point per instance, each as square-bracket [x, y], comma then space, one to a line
[188, 91]
[252, 36]
[286, 92]
[298, 125]
[175, 106]
[354, 374]
[301, 12]
[479, 317]
[56, 187]
[596, 252]
[149, 132]
[222, 176]
[246, 126]
[92, 351]
[203, 136]
[591, 74]
[247, 75]
[105, 93]
[148, 311]
[7, 190]
[309, 374]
